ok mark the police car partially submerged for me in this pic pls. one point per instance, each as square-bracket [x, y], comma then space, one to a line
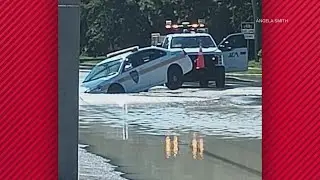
[138, 69]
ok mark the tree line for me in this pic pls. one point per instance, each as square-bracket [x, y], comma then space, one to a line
[108, 25]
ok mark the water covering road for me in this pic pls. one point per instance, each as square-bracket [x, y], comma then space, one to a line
[134, 131]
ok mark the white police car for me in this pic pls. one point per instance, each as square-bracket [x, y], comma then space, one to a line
[136, 70]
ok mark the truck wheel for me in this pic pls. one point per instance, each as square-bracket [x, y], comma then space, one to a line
[174, 78]
[203, 82]
[115, 89]
[220, 77]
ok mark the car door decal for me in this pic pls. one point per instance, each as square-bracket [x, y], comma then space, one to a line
[135, 76]
[149, 69]
[243, 53]
[161, 64]
[233, 54]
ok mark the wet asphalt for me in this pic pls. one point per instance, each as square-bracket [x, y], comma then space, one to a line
[190, 133]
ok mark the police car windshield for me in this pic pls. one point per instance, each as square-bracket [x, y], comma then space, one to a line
[192, 42]
[104, 70]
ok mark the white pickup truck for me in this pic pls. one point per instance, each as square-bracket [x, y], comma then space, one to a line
[231, 55]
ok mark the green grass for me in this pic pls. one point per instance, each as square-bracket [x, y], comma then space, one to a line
[254, 68]
[251, 71]
[254, 71]
[254, 64]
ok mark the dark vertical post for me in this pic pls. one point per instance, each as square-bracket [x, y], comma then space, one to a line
[256, 29]
[69, 45]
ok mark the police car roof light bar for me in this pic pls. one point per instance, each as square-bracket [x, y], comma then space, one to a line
[187, 27]
[175, 26]
[195, 25]
[184, 24]
[122, 51]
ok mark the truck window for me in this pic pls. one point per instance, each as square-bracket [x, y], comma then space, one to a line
[145, 56]
[166, 43]
[237, 41]
[192, 42]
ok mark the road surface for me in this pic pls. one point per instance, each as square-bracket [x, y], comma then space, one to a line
[190, 133]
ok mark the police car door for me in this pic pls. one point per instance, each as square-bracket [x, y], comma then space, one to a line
[156, 66]
[153, 68]
[235, 53]
[135, 78]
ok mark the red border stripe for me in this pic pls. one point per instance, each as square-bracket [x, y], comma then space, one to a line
[29, 89]
[291, 90]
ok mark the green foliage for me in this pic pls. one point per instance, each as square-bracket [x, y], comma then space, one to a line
[108, 25]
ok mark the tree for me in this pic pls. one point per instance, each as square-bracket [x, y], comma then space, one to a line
[108, 25]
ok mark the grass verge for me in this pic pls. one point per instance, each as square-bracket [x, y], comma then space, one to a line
[253, 68]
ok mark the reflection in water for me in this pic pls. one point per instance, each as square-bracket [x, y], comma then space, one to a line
[194, 147]
[175, 145]
[125, 129]
[167, 147]
[171, 146]
[197, 147]
[200, 148]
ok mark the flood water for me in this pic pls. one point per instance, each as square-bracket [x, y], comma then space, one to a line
[189, 133]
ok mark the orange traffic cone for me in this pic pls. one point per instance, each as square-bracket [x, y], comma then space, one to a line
[200, 60]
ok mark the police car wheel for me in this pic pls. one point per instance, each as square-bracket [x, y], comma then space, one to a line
[220, 77]
[115, 89]
[174, 78]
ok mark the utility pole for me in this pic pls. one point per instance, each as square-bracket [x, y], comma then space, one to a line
[69, 47]
[256, 29]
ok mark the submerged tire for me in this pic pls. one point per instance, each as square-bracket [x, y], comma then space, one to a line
[115, 89]
[175, 78]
